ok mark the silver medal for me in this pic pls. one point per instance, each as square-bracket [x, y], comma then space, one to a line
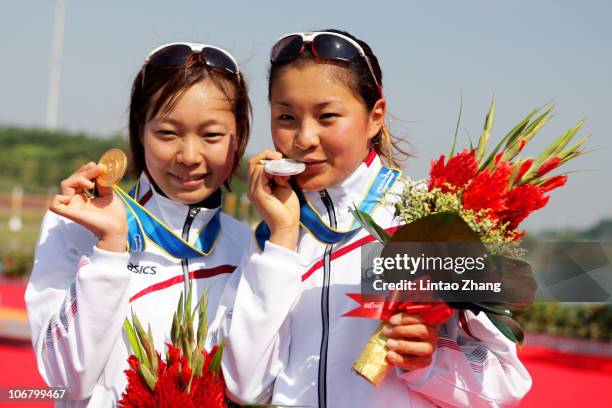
[284, 167]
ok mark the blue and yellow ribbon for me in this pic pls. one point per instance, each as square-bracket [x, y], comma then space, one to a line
[311, 221]
[143, 226]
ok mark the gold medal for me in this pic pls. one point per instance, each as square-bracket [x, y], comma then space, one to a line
[113, 163]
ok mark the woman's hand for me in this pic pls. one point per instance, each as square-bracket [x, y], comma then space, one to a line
[104, 215]
[275, 201]
[411, 342]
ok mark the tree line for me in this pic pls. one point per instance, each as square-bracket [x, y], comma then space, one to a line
[38, 159]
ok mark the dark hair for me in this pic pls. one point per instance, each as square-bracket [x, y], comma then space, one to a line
[356, 74]
[170, 82]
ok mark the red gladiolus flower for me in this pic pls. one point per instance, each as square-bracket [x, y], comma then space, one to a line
[552, 183]
[522, 144]
[137, 393]
[524, 168]
[208, 390]
[486, 191]
[519, 235]
[548, 165]
[173, 375]
[498, 157]
[459, 170]
[520, 202]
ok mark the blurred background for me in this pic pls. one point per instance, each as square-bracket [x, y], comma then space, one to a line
[66, 69]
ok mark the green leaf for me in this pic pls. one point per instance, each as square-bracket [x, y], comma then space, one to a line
[186, 347]
[154, 364]
[484, 136]
[131, 335]
[202, 321]
[174, 333]
[189, 325]
[204, 302]
[148, 376]
[512, 135]
[540, 180]
[188, 303]
[180, 308]
[517, 280]
[565, 153]
[489, 308]
[557, 146]
[452, 152]
[570, 135]
[148, 352]
[470, 139]
[528, 133]
[534, 127]
[370, 225]
[193, 313]
[508, 327]
[215, 364]
[447, 226]
[197, 364]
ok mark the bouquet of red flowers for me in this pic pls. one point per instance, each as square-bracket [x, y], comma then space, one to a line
[189, 376]
[493, 193]
[473, 196]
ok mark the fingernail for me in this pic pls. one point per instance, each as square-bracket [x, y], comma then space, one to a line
[392, 343]
[395, 319]
[386, 330]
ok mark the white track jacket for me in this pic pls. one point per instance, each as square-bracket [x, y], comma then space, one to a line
[79, 295]
[288, 341]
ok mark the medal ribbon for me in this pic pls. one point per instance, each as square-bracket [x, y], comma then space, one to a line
[311, 221]
[144, 225]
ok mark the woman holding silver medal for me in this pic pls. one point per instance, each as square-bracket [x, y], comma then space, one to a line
[289, 342]
[98, 257]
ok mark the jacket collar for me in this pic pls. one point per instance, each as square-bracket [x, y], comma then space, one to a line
[348, 192]
[173, 213]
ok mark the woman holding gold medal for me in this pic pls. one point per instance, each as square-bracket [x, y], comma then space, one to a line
[289, 340]
[98, 257]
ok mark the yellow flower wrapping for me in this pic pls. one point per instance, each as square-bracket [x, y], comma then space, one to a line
[372, 363]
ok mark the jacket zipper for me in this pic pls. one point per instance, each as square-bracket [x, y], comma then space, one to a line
[191, 214]
[325, 303]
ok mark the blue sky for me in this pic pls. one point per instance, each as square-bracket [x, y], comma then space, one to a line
[526, 53]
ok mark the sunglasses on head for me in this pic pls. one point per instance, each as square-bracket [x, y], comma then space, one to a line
[324, 45]
[187, 53]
